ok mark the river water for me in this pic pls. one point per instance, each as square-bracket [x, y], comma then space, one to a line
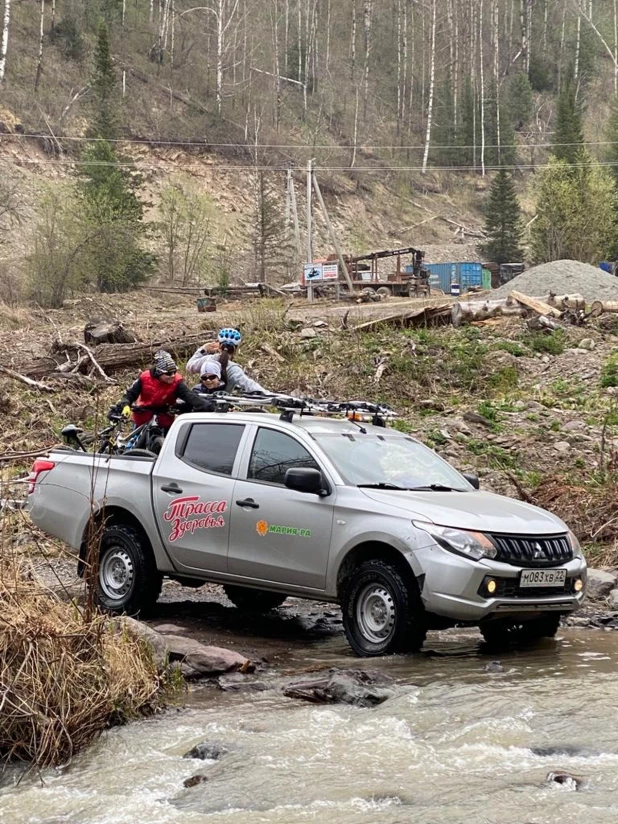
[463, 739]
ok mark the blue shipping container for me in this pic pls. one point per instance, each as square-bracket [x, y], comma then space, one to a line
[465, 274]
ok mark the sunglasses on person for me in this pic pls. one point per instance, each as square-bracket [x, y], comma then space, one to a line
[209, 378]
[170, 372]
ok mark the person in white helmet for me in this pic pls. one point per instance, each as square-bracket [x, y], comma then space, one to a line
[233, 376]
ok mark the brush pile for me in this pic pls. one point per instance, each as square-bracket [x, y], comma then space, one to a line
[64, 677]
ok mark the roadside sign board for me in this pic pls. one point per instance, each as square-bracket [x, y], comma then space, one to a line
[312, 272]
[330, 271]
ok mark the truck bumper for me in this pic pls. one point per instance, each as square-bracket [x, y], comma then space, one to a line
[451, 588]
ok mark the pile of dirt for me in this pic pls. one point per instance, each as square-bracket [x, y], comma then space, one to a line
[563, 277]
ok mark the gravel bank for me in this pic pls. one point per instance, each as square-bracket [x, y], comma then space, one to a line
[563, 277]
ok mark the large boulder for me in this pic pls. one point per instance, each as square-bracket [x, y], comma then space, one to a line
[138, 630]
[363, 689]
[600, 584]
[198, 660]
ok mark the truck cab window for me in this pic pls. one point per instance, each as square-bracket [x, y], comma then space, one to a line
[273, 454]
[213, 447]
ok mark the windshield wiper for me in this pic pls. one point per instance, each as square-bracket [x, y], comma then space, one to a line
[384, 485]
[436, 488]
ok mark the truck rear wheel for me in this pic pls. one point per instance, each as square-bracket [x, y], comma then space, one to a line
[382, 613]
[127, 580]
[504, 632]
[253, 600]
[384, 292]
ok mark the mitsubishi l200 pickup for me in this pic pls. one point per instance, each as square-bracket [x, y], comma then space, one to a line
[318, 508]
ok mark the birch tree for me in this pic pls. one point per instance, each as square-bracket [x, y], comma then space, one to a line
[432, 78]
[4, 44]
[39, 64]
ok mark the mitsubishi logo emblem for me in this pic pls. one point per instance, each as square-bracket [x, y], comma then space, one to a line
[538, 552]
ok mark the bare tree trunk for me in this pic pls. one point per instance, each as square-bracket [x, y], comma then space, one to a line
[219, 70]
[328, 24]
[578, 41]
[275, 26]
[151, 10]
[5, 38]
[529, 4]
[545, 24]
[353, 42]
[432, 75]
[367, 20]
[355, 138]
[496, 28]
[286, 40]
[173, 34]
[52, 26]
[482, 79]
[404, 80]
[399, 66]
[615, 47]
[562, 43]
[39, 65]
[300, 43]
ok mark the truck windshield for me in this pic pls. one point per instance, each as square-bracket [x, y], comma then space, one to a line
[390, 462]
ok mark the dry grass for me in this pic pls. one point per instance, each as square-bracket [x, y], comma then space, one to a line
[591, 511]
[63, 677]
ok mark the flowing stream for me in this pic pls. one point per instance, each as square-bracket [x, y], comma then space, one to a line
[463, 739]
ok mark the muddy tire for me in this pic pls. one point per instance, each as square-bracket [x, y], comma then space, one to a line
[504, 633]
[384, 292]
[382, 612]
[127, 579]
[253, 600]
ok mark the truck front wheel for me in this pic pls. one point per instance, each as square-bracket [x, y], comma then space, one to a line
[382, 613]
[127, 579]
[504, 632]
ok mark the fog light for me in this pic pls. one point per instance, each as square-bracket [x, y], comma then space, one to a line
[490, 586]
[578, 585]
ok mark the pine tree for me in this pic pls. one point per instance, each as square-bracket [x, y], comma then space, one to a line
[103, 84]
[519, 100]
[503, 224]
[111, 212]
[569, 132]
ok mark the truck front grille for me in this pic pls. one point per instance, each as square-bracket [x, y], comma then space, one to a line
[531, 551]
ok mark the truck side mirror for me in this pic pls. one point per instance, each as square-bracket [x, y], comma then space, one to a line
[472, 479]
[304, 479]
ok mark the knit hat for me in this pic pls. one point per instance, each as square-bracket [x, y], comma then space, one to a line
[164, 362]
[211, 367]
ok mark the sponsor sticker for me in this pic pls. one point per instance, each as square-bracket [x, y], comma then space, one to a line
[182, 512]
[263, 528]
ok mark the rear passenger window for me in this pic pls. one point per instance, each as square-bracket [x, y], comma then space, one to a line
[213, 447]
[274, 453]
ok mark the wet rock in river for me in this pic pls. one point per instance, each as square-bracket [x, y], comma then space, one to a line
[357, 687]
[570, 750]
[199, 660]
[140, 631]
[194, 780]
[565, 780]
[207, 751]
[600, 583]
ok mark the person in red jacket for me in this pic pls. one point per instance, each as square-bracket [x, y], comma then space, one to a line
[158, 388]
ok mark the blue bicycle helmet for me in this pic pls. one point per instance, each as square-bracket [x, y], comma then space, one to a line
[230, 336]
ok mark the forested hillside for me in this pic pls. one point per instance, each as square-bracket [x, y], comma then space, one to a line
[409, 106]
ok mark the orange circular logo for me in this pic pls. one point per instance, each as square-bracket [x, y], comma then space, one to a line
[261, 528]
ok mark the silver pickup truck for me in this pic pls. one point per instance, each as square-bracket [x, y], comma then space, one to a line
[320, 508]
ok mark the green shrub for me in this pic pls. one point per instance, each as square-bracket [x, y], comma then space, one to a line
[609, 372]
[552, 344]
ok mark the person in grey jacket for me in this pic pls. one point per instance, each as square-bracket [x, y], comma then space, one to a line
[232, 375]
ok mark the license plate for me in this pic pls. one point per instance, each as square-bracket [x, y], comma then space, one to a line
[542, 578]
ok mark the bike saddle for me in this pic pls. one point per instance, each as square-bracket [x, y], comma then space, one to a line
[71, 431]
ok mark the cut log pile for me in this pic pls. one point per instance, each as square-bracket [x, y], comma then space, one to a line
[555, 310]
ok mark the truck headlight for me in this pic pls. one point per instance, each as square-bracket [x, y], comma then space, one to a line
[575, 546]
[473, 545]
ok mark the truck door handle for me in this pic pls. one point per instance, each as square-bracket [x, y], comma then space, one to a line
[248, 502]
[174, 489]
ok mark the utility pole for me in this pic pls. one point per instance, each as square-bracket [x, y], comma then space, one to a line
[309, 225]
[333, 236]
[292, 193]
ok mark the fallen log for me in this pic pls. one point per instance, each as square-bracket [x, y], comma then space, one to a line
[24, 379]
[428, 315]
[575, 301]
[599, 307]
[468, 311]
[111, 356]
[538, 306]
